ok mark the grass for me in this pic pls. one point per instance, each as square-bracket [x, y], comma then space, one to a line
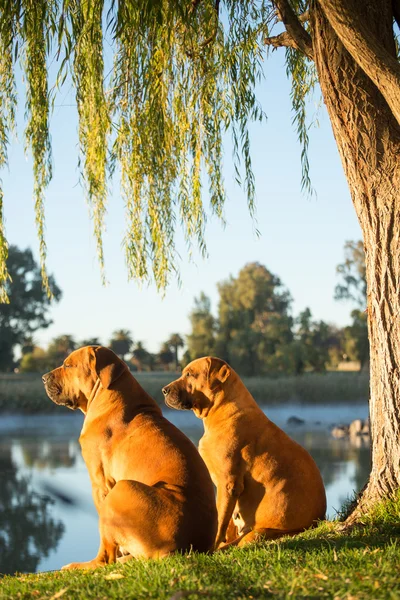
[322, 563]
[25, 394]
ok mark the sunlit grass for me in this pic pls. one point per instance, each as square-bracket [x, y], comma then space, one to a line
[325, 562]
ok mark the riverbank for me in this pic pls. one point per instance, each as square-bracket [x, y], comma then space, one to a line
[21, 393]
[321, 563]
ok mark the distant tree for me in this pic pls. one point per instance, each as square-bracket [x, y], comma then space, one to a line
[356, 344]
[89, 342]
[165, 356]
[28, 308]
[142, 359]
[318, 341]
[27, 345]
[175, 342]
[121, 342]
[36, 361]
[254, 321]
[58, 350]
[353, 287]
[201, 340]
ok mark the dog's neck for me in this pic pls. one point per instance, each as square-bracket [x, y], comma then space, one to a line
[225, 404]
[96, 388]
[128, 398]
[205, 408]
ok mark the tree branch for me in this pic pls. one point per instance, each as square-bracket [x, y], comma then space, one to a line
[303, 17]
[368, 52]
[300, 37]
[283, 39]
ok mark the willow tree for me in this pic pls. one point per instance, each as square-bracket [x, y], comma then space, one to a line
[184, 74]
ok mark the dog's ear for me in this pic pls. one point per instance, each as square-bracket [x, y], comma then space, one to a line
[218, 371]
[108, 366]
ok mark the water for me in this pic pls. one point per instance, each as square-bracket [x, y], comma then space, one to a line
[47, 516]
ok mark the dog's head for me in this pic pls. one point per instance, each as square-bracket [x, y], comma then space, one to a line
[197, 388]
[72, 384]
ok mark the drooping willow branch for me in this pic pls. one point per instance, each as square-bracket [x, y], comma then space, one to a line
[35, 24]
[8, 103]
[183, 78]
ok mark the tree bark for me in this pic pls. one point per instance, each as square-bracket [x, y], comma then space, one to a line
[368, 138]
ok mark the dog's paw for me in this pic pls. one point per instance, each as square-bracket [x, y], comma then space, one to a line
[91, 564]
[70, 566]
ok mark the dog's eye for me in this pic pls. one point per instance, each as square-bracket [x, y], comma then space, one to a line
[188, 374]
[67, 366]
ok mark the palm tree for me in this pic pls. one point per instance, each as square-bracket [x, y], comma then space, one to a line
[176, 341]
[121, 342]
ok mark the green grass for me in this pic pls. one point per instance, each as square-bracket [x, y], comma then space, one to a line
[360, 564]
[25, 394]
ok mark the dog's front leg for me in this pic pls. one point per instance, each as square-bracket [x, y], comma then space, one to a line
[228, 492]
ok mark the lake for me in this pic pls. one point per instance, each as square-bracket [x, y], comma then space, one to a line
[47, 516]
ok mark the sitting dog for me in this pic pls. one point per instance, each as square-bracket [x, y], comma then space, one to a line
[150, 486]
[267, 484]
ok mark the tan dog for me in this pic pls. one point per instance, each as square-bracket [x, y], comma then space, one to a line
[267, 485]
[151, 488]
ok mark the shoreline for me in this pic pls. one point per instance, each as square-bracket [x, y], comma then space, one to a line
[24, 393]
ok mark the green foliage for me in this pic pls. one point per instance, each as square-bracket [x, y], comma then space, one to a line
[28, 306]
[353, 287]
[385, 515]
[142, 359]
[353, 272]
[58, 350]
[303, 75]
[8, 101]
[175, 342]
[40, 361]
[256, 333]
[318, 341]
[184, 75]
[201, 340]
[35, 21]
[165, 356]
[356, 344]
[253, 323]
[36, 361]
[83, 30]
[121, 342]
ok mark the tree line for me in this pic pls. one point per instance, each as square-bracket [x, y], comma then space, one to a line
[254, 329]
[257, 334]
[36, 359]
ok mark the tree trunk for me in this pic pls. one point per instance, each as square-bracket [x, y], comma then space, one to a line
[368, 138]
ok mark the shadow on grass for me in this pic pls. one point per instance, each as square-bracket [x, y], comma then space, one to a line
[357, 537]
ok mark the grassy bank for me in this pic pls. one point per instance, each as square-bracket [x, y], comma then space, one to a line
[322, 563]
[25, 393]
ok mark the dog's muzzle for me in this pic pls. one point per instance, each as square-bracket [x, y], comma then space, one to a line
[176, 399]
[54, 392]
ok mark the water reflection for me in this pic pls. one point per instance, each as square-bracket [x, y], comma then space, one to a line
[27, 531]
[47, 516]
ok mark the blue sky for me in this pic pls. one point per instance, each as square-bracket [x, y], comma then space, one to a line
[301, 239]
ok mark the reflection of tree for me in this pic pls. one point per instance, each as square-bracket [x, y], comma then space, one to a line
[49, 454]
[331, 454]
[27, 532]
